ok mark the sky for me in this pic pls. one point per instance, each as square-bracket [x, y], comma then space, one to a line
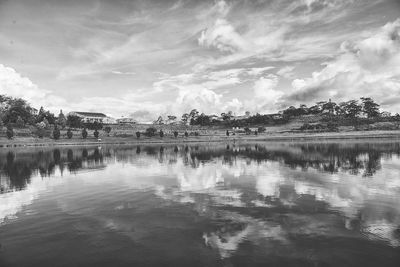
[145, 58]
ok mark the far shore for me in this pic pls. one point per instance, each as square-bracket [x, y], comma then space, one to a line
[242, 138]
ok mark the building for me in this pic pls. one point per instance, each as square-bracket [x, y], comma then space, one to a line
[89, 117]
[126, 121]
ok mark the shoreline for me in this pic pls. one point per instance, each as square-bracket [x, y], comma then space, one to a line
[265, 137]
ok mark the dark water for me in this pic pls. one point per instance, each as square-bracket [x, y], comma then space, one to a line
[218, 205]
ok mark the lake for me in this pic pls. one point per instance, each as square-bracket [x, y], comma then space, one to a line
[267, 204]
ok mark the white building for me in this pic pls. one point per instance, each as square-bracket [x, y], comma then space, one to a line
[126, 121]
[91, 117]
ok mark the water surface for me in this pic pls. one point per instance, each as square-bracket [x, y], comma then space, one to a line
[332, 204]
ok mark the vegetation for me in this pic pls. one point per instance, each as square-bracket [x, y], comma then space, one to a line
[56, 133]
[69, 133]
[175, 134]
[138, 135]
[150, 131]
[161, 133]
[10, 132]
[96, 133]
[84, 133]
[107, 129]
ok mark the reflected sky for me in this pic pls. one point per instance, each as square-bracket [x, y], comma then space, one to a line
[219, 205]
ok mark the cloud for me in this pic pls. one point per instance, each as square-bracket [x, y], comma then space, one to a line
[367, 67]
[266, 95]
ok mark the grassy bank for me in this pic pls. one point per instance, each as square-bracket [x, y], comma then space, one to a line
[283, 137]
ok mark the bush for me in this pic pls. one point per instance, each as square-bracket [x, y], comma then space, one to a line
[96, 133]
[69, 134]
[227, 133]
[196, 133]
[261, 129]
[186, 134]
[20, 122]
[176, 134]
[138, 135]
[56, 133]
[107, 129]
[161, 133]
[150, 131]
[247, 130]
[84, 133]
[332, 127]
[10, 132]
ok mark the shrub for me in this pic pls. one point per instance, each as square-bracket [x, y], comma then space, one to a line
[56, 133]
[107, 129]
[196, 133]
[176, 134]
[227, 133]
[186, 134]
[138, 135]
[10, 132]
[161, 133]
[20, 122]
[247, 130]
[255, 132]
[69, 134]
[151, 131]
[84, 133]
[96, 133]
[261, 129]
[332, 127]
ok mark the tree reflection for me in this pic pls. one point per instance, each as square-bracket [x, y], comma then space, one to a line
[357, 159]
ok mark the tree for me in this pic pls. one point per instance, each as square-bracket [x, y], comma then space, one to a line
[151, 131]
[227, 133]
[369, 107]
[186, 134]
[175, 134]
[185, 118]
[9, 132]
[96, 133]
[20, 122]
[84, 133]
[74, 121]
[159, 121]
[46, 123]
[61, 120]
[69, 133]
[137, 135]
[161, 133]
[351, 108]
[56, 133]
[107, 129]
[14, 108]
[193, 116]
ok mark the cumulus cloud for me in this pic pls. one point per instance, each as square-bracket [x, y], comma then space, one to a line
[14, 84]
[367, 67]
[266, 95]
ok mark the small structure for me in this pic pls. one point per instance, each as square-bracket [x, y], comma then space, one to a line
[126, 121]
[89, 117]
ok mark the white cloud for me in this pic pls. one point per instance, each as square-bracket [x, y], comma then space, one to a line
[367, 67]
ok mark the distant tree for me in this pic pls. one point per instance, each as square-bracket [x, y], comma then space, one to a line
[40, 129]
[175, 134]
[202, 120]
[107, 129]
[247, 130]
[12, 108]
[159, 121]
[74, 121]
[369, 107]
[20, 122]
[61, 120]
[161, 133]
[329, 107]
[227, 133]
[351, 108]
[9, 132]
[84, 133]
[138, 135]
[186, 134]
[46, 123]
[56, 133]
[261, 129]
[185, 118]
[193, 116]
[69, 133]
[96, 133]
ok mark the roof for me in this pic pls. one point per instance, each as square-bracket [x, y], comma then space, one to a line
[90, 114]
